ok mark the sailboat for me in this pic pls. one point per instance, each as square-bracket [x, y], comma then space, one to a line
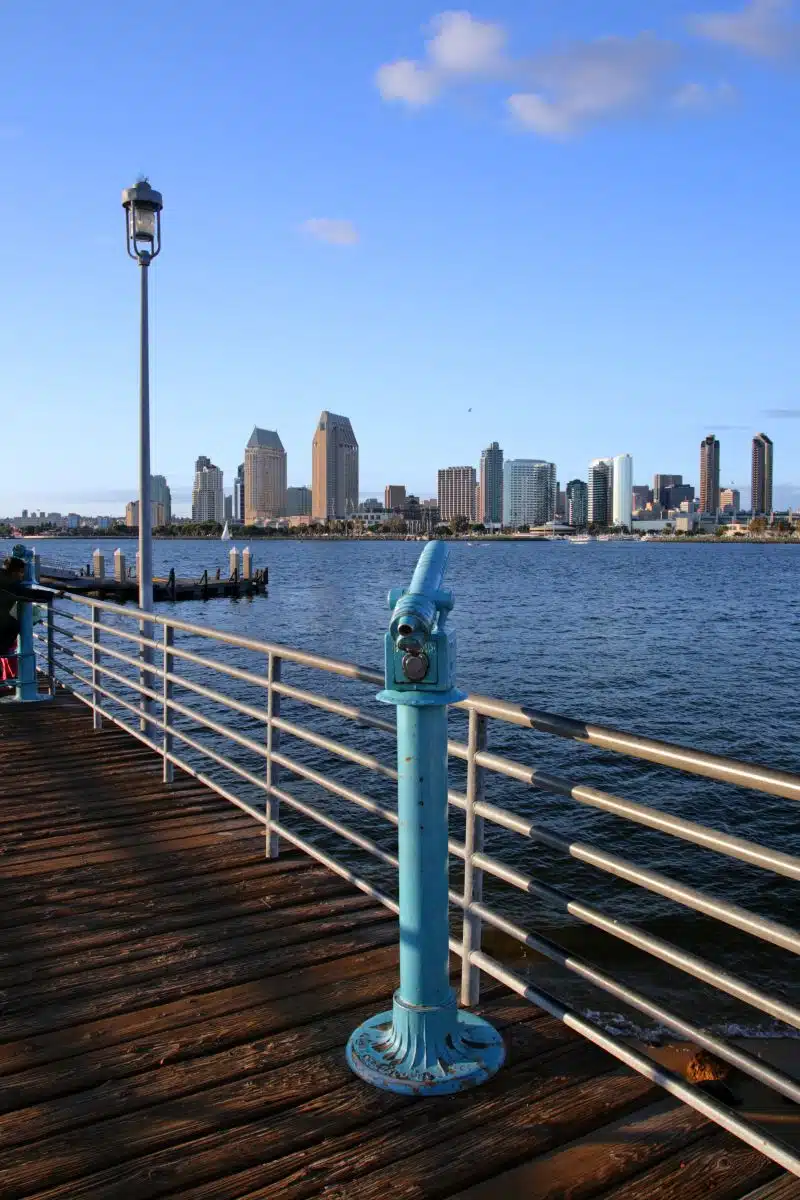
[226, 533]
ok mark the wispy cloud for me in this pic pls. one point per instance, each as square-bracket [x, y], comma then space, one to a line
[701, 98]
[333, 230]
[783, 414]
[764, 28]
[589, 82]
[459, 47]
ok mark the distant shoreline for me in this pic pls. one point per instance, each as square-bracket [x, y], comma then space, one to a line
[481, 539]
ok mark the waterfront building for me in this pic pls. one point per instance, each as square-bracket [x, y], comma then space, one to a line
[678, 495]
[761, 478]
[334, 468]
[642, 496]
[709, 474]
[456, 493]
[730, 500]
[490, 509]
[622, 501]
[207, 493]
[662, 485]
[238, 495]
[264, 477]
[394, 497]
[601, 491]
[157, 515]
[298, 502]
[577, 503]
[160, 494]
[529, 492]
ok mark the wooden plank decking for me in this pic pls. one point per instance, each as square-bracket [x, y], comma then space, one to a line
[175, 1009]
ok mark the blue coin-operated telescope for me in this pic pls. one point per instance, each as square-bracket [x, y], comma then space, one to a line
[425, 1045]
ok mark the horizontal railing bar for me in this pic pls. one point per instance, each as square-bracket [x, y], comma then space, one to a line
[662, 885]
[87, 700]
[115, 631]
[672, 1083]
[641, 814]
[337, 789]
[337, 707]
[102, 648]
[323, 743]
[689, 963]
[364, 843]
[748, 1063]
[665, 754]
[134, 684]
[301, 843]
[246, 710]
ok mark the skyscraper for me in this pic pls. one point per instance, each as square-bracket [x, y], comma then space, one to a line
[238, 495]
[394, 496]
[456, 487]
[529, 492]
[577, 503]
[762, 474]
[730, 500]
[622, 499]
[662, 485]
[298, 502]
[264, 477]
[160, 494]
[709, 474]
[208, 500]
[601, 491]
[491, 510]
[334, 469]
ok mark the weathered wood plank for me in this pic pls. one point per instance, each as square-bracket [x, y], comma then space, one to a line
[785, 1187]
[582, 1169]
[719, 1167]
[58, 848]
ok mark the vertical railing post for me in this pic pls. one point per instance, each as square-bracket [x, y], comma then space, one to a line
[97, 613]
[426, 1045]
[273, 804]
[51, 650]
[167, 740]
[27, 687]
[473, 876]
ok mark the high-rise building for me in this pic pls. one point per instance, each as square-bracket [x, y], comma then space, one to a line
[642, 495]
[661, 486]
[298, 502]
[238, 495]
[730, 500]
[762, 474]
[676, 495]
[491, 481]
[208, 497]
[457, 493]
[622, 499]
[157, 516]
[601, 491]
[229, 507]
[577, 503]
[264, 477]
[709, 474]
[529, 492]
[334, 469]
[394, 496]
[160, 494]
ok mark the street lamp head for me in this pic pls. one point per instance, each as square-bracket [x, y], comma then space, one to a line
[142, 221]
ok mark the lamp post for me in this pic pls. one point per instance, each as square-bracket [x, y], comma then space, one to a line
[143, 238]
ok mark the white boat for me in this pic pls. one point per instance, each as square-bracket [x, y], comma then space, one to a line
[580, 539]
[226, 533]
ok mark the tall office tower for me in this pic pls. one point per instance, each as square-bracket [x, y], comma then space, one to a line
[762, 474]
[622, 503]
[298, 502]
[529, 492]
[491, 483]
[264, 477]
[160, 494]
[238, 495]
[394, 496]
[709, 474]
[208, 498]
[601, 491]
[577, 503]
[661, 486]
[642, 495]
[229, 507]
[457, 486]
[334, 469]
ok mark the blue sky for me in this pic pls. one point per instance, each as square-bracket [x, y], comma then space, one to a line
[567, 226]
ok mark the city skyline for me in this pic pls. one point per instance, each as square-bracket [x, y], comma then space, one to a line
[396, 271]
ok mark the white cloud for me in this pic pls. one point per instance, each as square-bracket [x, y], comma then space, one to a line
[761, 27]
[701, 98]
[460, 46]
[590, 81]
[333, 230]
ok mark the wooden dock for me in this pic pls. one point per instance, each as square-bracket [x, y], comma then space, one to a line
[165, 588]
[175, 1010]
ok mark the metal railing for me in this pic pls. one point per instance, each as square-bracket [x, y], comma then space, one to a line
[94, 649]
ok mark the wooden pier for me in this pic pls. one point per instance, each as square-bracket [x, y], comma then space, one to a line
[175, 1009]
[165, 588]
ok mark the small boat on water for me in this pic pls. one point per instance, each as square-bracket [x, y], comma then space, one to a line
[226, 534]
[580, 539]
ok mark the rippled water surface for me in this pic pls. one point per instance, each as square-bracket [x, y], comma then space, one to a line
[692, 643]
